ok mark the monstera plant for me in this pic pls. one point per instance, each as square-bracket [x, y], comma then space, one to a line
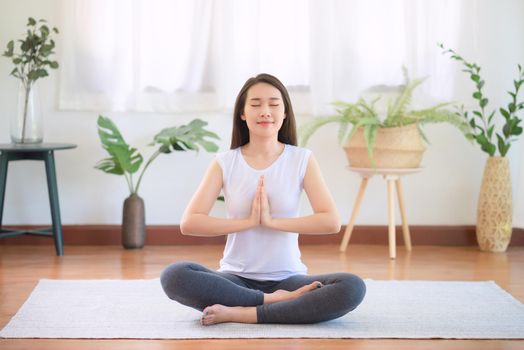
[127, 161]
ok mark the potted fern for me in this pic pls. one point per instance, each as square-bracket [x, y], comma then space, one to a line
[392, 141]
[126, 160]
[495, 208]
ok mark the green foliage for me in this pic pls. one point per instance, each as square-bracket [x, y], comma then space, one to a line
[186, 138]
[482, 121]
[34, 56]
[363, 114]
[125, 160]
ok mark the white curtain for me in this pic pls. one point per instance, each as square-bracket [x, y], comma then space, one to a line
[182, 56]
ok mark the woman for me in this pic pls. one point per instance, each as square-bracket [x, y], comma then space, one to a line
[261, 277]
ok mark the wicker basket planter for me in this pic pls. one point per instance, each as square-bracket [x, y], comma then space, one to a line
[395, 148]
[495, 209]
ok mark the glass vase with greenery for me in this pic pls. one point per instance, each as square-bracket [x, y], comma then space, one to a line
[31, 62]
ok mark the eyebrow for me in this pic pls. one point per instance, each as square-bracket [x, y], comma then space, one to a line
[271, 98]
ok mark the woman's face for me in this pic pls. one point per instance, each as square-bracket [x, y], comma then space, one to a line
[264, 111]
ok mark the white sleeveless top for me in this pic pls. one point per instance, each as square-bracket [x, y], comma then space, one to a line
[261, 253]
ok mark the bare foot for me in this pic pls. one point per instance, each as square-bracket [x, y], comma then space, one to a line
[220, 313]
[282, 295]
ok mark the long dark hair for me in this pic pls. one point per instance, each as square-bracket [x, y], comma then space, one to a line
[286, 134]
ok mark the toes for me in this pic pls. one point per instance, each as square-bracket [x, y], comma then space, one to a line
[205, 318]
[315, 285]
[206, 321]
[310, 287]
[205, 312]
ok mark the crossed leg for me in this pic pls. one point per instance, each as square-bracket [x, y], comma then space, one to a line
[298, 299]
[248, 314]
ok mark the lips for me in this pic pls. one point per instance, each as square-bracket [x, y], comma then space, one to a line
[265, 123]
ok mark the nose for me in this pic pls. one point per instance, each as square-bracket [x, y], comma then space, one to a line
[265, 112]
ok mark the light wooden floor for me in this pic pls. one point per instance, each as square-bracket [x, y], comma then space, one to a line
[22, 266]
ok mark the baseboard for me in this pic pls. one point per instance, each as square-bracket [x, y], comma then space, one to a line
[170, 235]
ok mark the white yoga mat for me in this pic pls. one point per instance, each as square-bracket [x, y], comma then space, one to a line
[391, 309]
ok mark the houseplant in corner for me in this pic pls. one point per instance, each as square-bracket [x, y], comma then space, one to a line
[125, 160]
[31, 64]
[495, 208]
[391, 141]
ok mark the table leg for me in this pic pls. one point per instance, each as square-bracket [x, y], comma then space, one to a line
[3, 179]
[53, 201]
[356, 208]
[405, 227]
[391, 218]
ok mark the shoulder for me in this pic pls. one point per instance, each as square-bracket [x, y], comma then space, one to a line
[298, 157]
[228, 153]
[226, 156]
[298, 151]
[227, 161]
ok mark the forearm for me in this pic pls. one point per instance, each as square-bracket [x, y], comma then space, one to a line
[209, 226]
[319, 223]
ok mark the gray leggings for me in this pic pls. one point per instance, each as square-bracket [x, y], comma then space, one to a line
[195, 286]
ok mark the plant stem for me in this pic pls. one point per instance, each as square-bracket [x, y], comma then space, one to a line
[27, 86]
[156, 154]
[26, 102]
[129, 184]
[486, 125]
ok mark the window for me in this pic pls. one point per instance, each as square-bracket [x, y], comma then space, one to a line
[176, 55]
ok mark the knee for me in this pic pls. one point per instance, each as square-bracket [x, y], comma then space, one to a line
[173, 276]
[353, 291]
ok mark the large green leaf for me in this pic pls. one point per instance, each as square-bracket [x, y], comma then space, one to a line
[188, 137]
[123, 158]
[110, 166]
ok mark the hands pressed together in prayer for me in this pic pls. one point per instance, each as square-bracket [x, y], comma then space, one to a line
[260, 210]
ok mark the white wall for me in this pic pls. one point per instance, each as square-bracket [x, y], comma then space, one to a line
[444, 193]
